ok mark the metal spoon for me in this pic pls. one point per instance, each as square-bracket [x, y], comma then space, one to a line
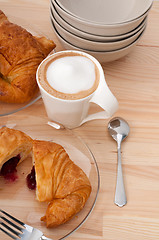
[119, 130]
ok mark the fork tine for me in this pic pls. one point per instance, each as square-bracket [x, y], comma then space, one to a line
[11, 223]
[10, 229]
[13, 218]
[9, 234]
[22, 231]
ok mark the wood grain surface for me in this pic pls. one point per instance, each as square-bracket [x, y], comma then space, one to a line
[134, 80]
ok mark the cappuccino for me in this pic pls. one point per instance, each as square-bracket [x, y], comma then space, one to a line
[69, 75]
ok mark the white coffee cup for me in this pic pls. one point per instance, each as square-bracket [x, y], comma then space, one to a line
[73, 113]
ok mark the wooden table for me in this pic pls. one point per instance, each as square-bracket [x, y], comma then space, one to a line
[134, 80]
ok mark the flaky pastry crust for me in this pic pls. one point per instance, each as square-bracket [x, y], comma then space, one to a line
[12, 143]
[20, 55]
[60, 182]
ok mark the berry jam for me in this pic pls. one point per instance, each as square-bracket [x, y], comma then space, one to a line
[8, 170]
[31, 181]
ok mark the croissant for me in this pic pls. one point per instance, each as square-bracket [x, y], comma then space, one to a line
[15, 146]
[20, 55]
[60, 182]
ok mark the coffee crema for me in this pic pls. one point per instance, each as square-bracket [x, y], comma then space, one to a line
[69, 75]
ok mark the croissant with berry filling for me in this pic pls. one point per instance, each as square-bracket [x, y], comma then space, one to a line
[15, 146]
[60, 182]
[20, 55]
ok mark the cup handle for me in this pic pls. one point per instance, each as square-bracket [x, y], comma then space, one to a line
[104, 98]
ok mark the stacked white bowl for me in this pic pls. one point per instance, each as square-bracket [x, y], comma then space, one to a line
[106, 29]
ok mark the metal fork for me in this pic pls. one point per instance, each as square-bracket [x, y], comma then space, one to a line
[18, 230]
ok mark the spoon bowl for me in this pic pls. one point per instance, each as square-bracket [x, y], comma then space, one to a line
[118, 126]
[119, 130]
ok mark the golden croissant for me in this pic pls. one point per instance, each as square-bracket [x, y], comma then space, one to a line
[15, 146]
[57, 179]
[20, 55]
[60, 182]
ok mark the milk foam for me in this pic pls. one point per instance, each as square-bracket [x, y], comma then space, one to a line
[71, 74]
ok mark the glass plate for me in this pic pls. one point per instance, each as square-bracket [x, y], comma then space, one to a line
[21, 202]
[10, 108]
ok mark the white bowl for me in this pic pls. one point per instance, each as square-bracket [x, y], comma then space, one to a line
[103, 12]
[88, 36]
[111, 28]
[105, 56]
[92, 45]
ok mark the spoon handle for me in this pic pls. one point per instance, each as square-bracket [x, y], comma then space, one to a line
[120, 196]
